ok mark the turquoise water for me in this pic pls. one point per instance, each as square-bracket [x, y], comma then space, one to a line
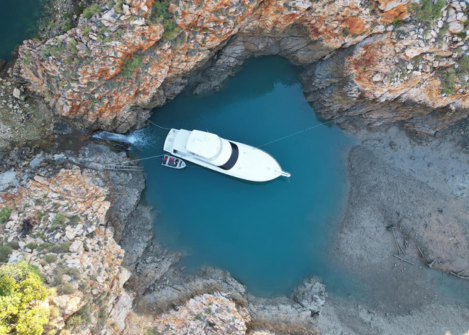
[272, 235]
[17, 23]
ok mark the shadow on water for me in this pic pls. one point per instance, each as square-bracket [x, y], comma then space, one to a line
[268, 235]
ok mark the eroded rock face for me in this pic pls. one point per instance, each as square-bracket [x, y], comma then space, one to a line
[119, 63]
[79, 256]
[94, 244]
[204, 314]
[68, 246]
[110, 64]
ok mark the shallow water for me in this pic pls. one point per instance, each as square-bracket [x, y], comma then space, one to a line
[17, 23]
[272, 235]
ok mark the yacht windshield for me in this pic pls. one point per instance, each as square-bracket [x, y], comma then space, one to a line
[233, 158]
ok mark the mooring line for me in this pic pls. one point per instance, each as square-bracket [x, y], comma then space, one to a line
[142, 159]
[259, 146]
[298, 132]
[158, 125]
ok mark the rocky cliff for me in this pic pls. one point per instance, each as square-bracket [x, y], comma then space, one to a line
[94, 246]
[403, 61]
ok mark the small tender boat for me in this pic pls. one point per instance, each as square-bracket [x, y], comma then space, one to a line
[228, 157]
[173, 162]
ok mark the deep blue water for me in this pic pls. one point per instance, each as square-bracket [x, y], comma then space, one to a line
[272, 235]
[17, 23]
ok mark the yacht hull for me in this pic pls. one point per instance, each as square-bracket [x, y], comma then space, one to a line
[251, 163]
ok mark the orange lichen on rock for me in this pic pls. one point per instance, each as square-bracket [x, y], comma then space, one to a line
[275, 15]
[337, 23]
[393, 10]
[356, 25]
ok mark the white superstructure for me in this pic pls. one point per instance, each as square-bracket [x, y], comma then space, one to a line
[228, 157]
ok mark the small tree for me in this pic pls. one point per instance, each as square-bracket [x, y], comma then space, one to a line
[21, 291]
[90, 11]
[5, 213]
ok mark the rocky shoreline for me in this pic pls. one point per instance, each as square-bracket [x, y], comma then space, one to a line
[149, 281]
[366, 67]
[418, 186]
[154, 285]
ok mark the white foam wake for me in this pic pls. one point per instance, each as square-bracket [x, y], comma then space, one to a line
[137, 138]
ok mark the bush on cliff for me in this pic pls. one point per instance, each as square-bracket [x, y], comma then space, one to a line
[92, 10]
[5, 251]
[58, 220]
[448, 80]
[428, 11]
[159, 11]
[21, 294]
[133, 64]
[5, 213]
[170, 30]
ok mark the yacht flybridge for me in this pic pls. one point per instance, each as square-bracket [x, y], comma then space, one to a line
[228, 157]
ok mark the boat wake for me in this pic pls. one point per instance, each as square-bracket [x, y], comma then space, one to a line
[138, 138]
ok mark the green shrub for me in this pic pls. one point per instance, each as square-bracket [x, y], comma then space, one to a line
[67, 289]
[69, 25]
[170, 30]
[428, 11]
[79, 9]
[118, 6]
[102, 315]
[59, 220]
[65, 246]
[74, 272]
[47, 246]
[444, 30]
[462, 35]
[51, 258]
[20, 285]
[92, 10]
[5, 213]
[5, 251]
[81, 317]
[345, 32]
[159, 11]
[448, 80]
[463, 63]
[86, 31]
[14, 245]
[55, 312]
[57, 279]
[131, 65]
[28, 58]
[397, 23]
[74, 219]
[31, 245]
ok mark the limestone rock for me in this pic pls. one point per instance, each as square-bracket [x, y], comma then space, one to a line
[16, 93]
[456, 27]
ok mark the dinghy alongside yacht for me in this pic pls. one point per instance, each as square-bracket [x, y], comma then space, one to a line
[228, 157]
[173, 162]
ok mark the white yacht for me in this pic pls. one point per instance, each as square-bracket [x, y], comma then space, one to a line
[228, 157]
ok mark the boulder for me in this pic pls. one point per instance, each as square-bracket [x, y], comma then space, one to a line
[16, 93]
[456, 27]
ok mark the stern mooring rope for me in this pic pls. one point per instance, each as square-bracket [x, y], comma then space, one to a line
[298, 132]
[259, 146]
